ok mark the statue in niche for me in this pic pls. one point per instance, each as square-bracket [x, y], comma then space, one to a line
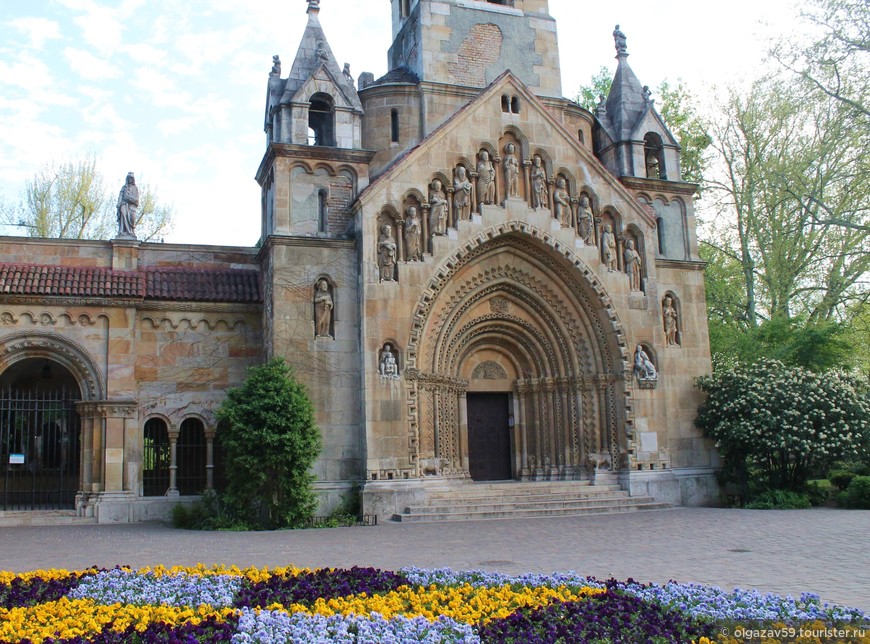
[387, 254]
[620, 41]
[632, 265]
[669, 313]
[538, 175]
[323, 306]
[511, 171]
[128, 205]
[437, 208]
[562, 203]
[388, 367]
[644, 369]
[413, 236]
[485, 179]
[461, 194]
[608, 248]
[276, 66]
[585, 220]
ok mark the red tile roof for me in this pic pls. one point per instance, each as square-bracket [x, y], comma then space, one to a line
[195, 285]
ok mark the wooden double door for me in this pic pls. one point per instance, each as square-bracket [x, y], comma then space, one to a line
[489, 436]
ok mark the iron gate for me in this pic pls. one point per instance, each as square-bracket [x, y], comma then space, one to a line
[39, 450]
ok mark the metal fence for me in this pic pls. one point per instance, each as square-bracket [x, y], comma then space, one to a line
[39, 449]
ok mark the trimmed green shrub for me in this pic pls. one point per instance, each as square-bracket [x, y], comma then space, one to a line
[270, 443]
[857, 495]
[779, 500]
[818, 492]
[841, 478]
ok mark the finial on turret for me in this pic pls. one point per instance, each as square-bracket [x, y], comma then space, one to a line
[619, 41]
[313, 6]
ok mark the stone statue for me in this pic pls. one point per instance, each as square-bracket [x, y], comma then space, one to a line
[608, 248]
[632, 265]
[387, 254]
[485, 179]
[540, 196]
[437, 208]
[511, 171]
[388, 368]
[320, 52]
[562, 203]
[601, 108]
[346, 73]
[669, 313]
[644, 369]
[323, 306]
[461, 194]
[128, 204]
[619, 41]
[585, 220]
[647, 95]
[276, 66]
[413, 236]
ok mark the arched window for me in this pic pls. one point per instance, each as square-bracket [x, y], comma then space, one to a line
[405, 8]
[653, 152]
[394, 126]
[190, 457]
[322, 211]
[505, 103]
[155, 458]
[321, 120]
[515, 105]
[581, 137]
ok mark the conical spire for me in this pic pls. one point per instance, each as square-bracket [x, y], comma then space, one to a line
[313, 52]
[626, 101]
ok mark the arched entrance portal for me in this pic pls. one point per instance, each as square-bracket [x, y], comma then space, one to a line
[39, 436]
[517, 364]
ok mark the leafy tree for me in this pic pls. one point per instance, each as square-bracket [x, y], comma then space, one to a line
[270, 442]
[70, 200]
[677, 107]
[778, 425]
[777, 146]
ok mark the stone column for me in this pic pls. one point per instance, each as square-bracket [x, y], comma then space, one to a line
[551, 188]
[173, 462]
[527, 181]
[462, 439]
[209, 458]
[425, 239]
[620, 253]
[498, 179]
[522, 393]
[451, 222]
[574, 201]
[475, 207]
[400, 241]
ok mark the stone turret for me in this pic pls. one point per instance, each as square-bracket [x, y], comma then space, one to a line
[632, 138]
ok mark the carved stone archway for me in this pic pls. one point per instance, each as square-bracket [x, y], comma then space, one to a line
[518, 293]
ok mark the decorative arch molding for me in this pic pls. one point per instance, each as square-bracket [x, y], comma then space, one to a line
[38, 344]
[575, 390]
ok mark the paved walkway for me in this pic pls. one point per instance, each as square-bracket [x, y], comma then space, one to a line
[788, 552]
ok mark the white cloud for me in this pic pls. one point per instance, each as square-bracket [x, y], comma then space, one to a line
[163, 90]
[170, 127]
[88, 66]
[146, 54]
[38, 30]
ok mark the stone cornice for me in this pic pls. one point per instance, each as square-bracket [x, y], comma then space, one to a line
[312, 152]
[681, 264]
[273, 241]
[659, 185]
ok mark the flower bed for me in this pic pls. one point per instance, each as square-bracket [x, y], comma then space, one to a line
[367, 605]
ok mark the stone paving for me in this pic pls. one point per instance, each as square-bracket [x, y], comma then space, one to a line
[788, 552]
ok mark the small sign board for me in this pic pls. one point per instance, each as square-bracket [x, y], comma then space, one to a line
[16, 459]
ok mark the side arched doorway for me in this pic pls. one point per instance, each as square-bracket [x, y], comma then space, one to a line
[517, 365]
[40, 436]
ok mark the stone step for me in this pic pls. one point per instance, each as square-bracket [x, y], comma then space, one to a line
[495, 505]
[468, 495]
[466, 501]
[43, 518]
[528, 513]
[523, 487]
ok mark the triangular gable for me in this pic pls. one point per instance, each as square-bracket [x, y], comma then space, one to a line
[314, 83]
[506, 79]
[651, 121]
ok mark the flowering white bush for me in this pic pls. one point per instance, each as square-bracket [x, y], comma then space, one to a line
[785, 422]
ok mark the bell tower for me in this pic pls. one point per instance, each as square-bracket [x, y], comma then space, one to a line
[469, 43]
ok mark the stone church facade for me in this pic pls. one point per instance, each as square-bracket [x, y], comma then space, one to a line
[476, 278]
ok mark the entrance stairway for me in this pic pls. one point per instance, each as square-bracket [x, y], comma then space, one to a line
[513, 500]
[43, 518]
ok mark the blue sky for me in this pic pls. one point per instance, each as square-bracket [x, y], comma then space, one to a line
[174, 90]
